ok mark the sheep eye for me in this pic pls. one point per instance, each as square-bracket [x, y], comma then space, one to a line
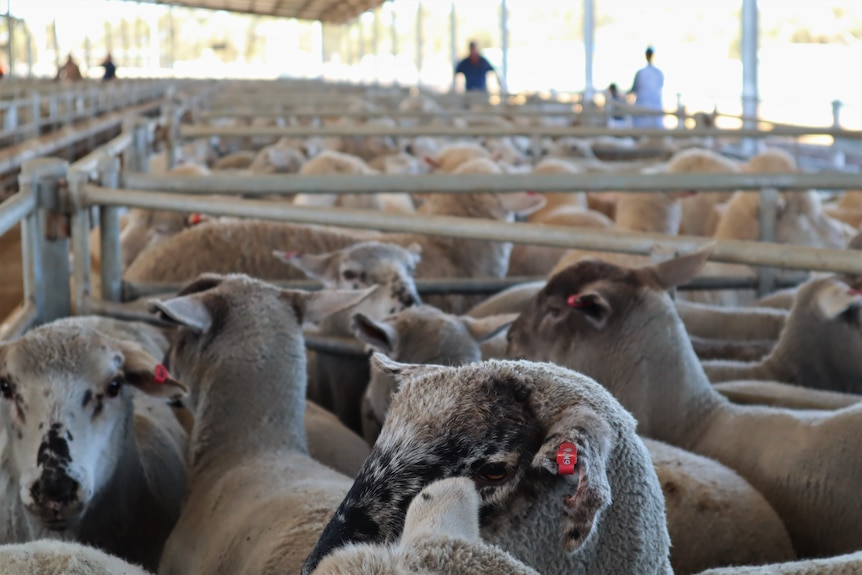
[6, 389]
[493, 474]
[349, 275]
[114, 387]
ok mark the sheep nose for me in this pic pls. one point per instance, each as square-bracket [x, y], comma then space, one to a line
[56, 491]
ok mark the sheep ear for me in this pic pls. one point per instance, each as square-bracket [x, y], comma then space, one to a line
[682, 269]
[522, 203]
[836, 298]
[586, 438]
[487, 327]
[314, 306]
[144, 372]
[378, 335]
[399, 370]
[313, 266]
[188, 311]
[446, 508]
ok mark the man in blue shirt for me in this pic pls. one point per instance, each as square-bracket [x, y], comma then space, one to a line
[475, 69]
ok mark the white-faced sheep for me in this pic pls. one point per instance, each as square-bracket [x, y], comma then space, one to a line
[503, 425]
[50, 557]
[451, 156]
[753, 392]
[819, 347]
[256, 501]
[85, 456]
[595, 309]
[723, 323]
[441, 537]
[418, 335]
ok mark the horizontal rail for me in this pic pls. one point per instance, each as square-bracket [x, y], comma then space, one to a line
[15, 209]
[470, 183]
[13, 157]
[446, 286]
[501, 131]
[115, 147]
[20, 320]
[730, 251]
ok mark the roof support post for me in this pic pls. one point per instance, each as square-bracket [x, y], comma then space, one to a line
[749, 70]
[419, 42]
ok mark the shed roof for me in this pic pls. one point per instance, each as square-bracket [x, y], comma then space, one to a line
[335, 11]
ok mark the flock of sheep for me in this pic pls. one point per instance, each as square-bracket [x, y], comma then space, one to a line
[596, 422]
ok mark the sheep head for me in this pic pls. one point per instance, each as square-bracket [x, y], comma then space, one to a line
[594, 310]
[364, 265]
[498, 423]
[66, 411]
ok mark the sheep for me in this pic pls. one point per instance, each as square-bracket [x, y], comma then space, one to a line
[330, 162]
[341, 381]
[237, 161]
[278, 159]
[849, 564]
[747, 323]
[419, 335]
[486, 422]
[441, 537]
[696, 210]
[819, 348]
[451, 156]
[554, 200]
[511, 300]
[709, 507]
[256, 500]
[87, 453]
[739, 350]
[595, 309]
[49, 557]
[246, 246]
[771, 160]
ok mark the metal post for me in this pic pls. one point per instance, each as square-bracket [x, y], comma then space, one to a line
[361, 40]
[419, 43]
[56, 43]
[51, 256]
[80, 243]
[172, 142]
[504, 46]
[375, 45]
[10, 47]
[109, 234]
[124, 38]
[172, 31]
[749, 69]
[453, 38]
[589, 48]
[680, 112]
[36, 114]
[29, 53]
[838, 159]
[768, 216]
[320, 29]
[349, 46]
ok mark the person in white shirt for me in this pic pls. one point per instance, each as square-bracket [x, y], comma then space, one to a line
[647, 87]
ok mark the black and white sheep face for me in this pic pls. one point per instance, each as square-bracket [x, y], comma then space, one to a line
[67, 410]
[364, 265]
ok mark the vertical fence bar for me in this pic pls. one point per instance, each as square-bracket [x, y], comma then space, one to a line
[80, 243]
[838, 158]
[504, 46]
[589, 48]
[453, 38]
[52, 294]
[419, 42]
[109, 234]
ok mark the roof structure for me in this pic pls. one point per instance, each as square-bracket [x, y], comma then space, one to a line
[333, 11]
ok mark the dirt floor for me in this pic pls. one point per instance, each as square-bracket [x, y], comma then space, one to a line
[11, 287]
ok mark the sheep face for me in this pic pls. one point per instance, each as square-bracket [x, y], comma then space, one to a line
[67, 413]
[499, 424]
[362, 266]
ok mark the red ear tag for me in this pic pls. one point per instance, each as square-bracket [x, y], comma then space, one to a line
[855, 292]
[574, 301]
[195, 219]
[288, 255]
[567, 457]
[160, 375]
[532, 193]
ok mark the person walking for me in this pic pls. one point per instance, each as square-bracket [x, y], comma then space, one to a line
[475, 69]
[69, 70]
[647, 88]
